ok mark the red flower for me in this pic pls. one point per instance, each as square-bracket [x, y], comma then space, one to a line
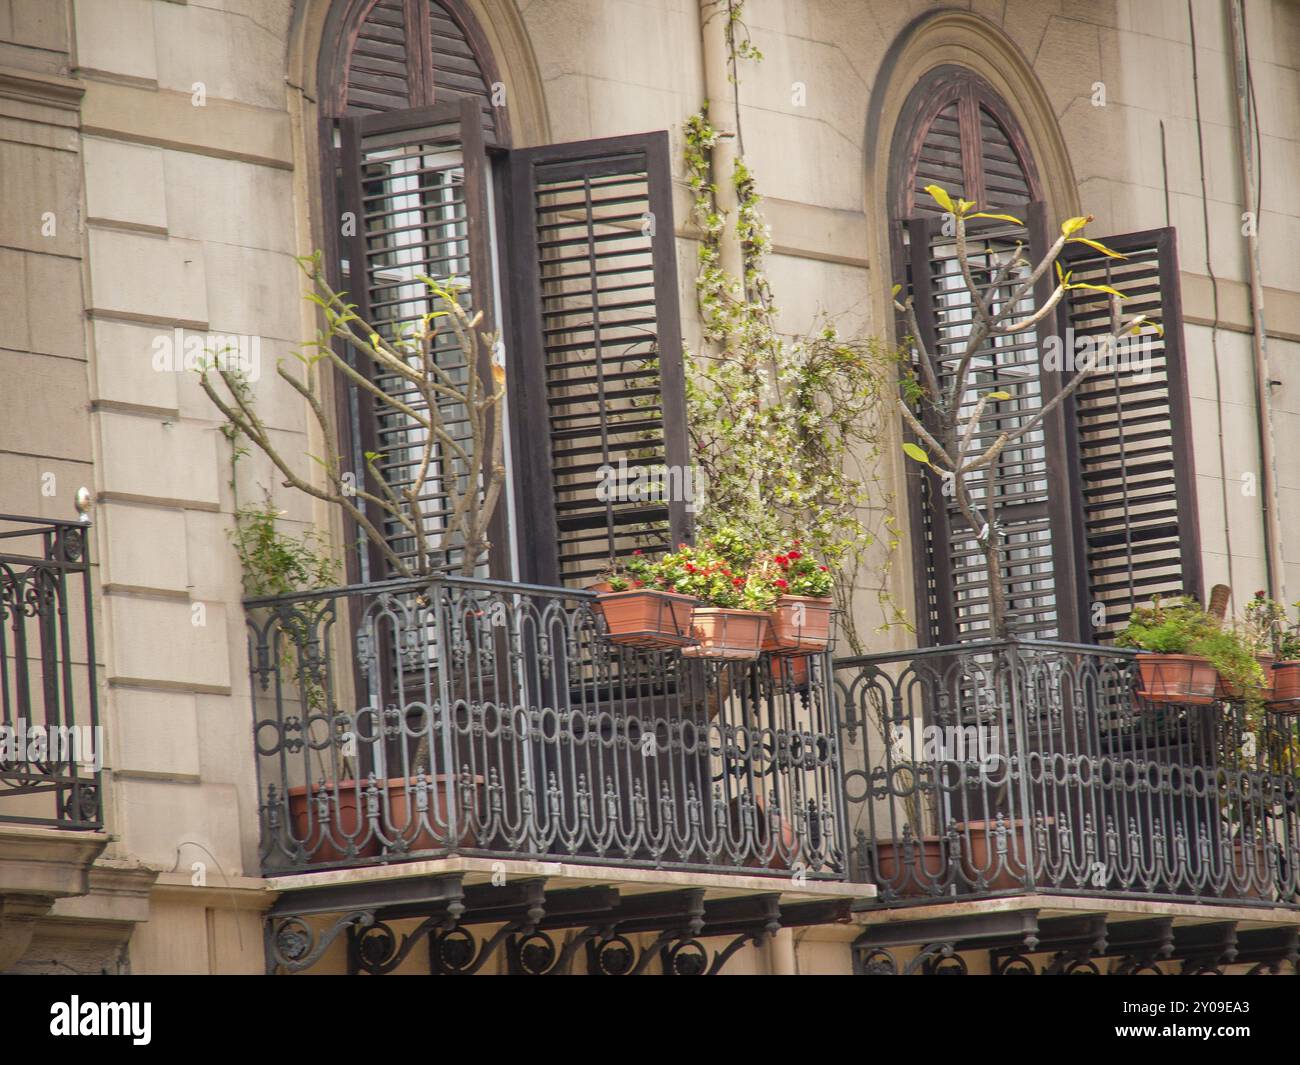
[782, 560]
[637, 551]
[690, 567]
[793, 555]
[738, 581]
[638, 584]
[782, 583]
[822, 568]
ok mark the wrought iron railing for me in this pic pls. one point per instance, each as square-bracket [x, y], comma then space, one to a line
[1005, 767]
[51, 744]
[414, 719]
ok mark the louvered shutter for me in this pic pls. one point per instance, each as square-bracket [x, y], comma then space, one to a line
[1027, 500]
[596, 363]
[415, 181]
[1135, 483]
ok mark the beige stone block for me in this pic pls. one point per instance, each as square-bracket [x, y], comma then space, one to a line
[135, 273]
[173, 942]
[147, 458]
[117, 37]
[616, 109]
[1279, 237]
[131, 364]
[569, 107]
[170, 119]
[213, 563]
[198, 818]
[1205, 440]
[803, 161]
[1067, 62]
[124, 182]
[1289, 515]
[226, 745]
[42, 189]
[251, 291]
[46, 401]
[234, 56]
[55, 295]
[1284, 366]
[13, 296]
[1286, 441]
[156, 641]
[257, 477]
[42, 487]
[1209, 507]
[811, 79]
[146, 547]
[156, 734]
[1225, 234]
[278, 405]
[229, 201]
[812, 290]
[236, 943]
[39, 24]
[1234, 384]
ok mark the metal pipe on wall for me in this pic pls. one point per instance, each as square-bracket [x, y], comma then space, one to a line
[721, 93]
[1263, 401]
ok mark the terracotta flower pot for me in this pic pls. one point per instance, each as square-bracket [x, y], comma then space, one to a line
[909, 867]
[1251, 867]
[647, 617]
[1177, 679]
[1286, 688]
[791, 669]
[800, 624]
[778, 860]
[979, 854]
[1226, 690]
[730, 634]
[326, 843]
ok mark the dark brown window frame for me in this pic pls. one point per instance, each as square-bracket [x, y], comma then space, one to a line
[1075, 581]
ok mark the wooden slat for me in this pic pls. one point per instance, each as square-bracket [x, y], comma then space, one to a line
[599, 349]
[1136, 480]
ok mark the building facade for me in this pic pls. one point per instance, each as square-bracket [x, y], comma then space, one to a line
[166, 165]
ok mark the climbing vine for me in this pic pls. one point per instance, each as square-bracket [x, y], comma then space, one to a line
[787, 432]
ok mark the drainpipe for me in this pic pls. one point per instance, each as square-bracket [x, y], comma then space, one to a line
[1263, 401]
[722, 114]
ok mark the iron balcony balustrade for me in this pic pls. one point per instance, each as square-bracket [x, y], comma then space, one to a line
[412, 719]
[51, 744]
[1007, 767]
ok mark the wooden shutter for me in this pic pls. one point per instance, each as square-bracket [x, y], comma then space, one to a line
[1029, 499]
[1135, 483]
[416, 183]
[412, 53]
[596, 363]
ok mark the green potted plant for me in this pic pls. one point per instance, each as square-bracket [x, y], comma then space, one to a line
[731, 618]
[1174, 667]
[641, 605]
[1286, 662]
[801, 616]
[1263, 622]
[1192, 657]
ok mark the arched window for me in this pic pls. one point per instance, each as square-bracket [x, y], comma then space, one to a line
[549, 243]
[1089, 500]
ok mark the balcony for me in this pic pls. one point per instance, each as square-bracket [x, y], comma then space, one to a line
[1005, 768]
[414, 720]
[50, 738]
